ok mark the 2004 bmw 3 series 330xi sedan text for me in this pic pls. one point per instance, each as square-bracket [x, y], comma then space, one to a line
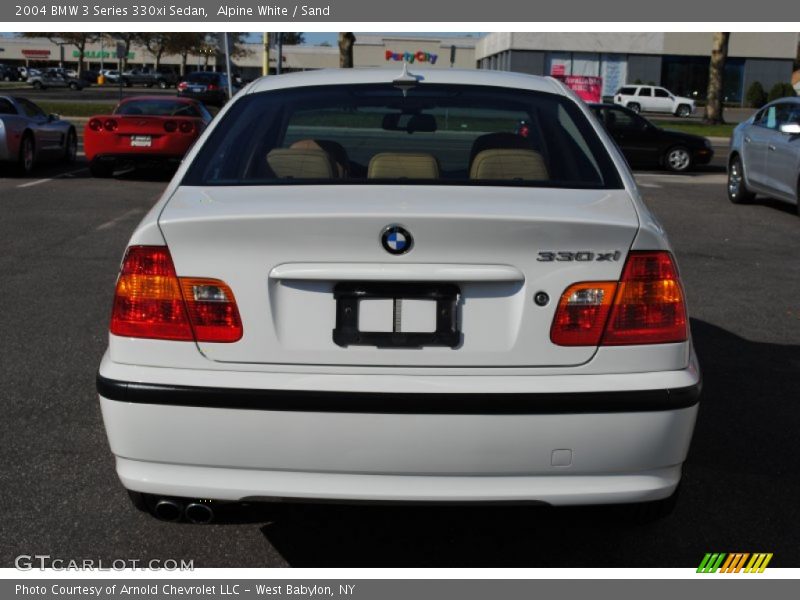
[364, 285]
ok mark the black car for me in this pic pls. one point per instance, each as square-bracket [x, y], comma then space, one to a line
[645, 145]
[208, 87]
[9, 73]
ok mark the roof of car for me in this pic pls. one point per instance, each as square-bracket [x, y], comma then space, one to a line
[180, 99]
[365, 75]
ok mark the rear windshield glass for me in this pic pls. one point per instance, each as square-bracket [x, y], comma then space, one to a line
[203, 77]
[161, 108]
[376, 134]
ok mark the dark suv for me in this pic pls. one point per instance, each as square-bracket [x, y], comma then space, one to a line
[8, 73]
[207, 87]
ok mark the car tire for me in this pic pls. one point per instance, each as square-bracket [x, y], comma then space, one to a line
[73, 86]
[27, 155]
[101, 170]
[635, 107]
[678, 159]
[163, 85]
[37, 85]
[683, 111]
[71, 147]
[737, 189]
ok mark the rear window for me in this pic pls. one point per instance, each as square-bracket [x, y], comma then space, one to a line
[161, 108]
[376, 134]
[203, 77]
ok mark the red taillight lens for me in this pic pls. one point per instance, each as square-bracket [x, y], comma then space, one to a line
[95, 124]
[646, 307]
[211, 87]
[649, 307]
[182, 85]
[152, 302]
[110, 125]
[170, 126]
[148, 301]
[186, 127]
[212, 310]
[582, 313]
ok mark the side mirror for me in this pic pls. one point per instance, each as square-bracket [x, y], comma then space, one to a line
[53, 117]
[790, 128]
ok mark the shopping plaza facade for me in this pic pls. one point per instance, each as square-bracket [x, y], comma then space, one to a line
[678, 61]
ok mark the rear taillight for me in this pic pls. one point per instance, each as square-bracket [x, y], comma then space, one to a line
[186, 127]
[211, 87]
[95, 124]
[110, 125]
[649, 307]
[582, 313]
[182, 85]
[646, 307]
[151, 301]
[170, 126]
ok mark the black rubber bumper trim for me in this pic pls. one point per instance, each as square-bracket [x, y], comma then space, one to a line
[398, 403]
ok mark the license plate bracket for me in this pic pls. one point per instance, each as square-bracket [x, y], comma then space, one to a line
[349, 294]
[141, 141]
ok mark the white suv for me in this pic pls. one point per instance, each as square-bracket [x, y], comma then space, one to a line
[650, 98]
[363, 285]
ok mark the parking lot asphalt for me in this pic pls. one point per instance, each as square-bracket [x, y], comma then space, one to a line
[62, 235]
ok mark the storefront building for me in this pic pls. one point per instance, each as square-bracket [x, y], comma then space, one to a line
[370, 50]
[677, 61]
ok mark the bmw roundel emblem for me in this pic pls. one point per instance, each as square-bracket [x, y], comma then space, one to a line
[396, 239]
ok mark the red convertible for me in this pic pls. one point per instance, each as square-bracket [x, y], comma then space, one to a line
[143, 129]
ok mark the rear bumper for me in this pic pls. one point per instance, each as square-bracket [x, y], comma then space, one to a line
[138, 157]
[255, 443]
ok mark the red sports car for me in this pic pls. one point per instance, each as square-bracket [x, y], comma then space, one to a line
[143, 129]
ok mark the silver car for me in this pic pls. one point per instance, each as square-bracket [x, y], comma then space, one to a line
[765, 154]
[28, 135]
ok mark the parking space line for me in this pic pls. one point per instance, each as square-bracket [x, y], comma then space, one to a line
[59, 176]
[109, 224]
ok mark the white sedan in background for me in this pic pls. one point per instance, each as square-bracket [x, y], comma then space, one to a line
[764, 155]
[367, 285]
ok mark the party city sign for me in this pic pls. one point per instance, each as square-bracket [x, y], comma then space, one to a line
[411, 57]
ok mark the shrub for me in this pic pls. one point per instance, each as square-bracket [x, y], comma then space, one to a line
[755, 97]
[780, 90]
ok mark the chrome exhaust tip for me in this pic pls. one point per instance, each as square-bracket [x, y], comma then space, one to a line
[197, 512]
[168, 510]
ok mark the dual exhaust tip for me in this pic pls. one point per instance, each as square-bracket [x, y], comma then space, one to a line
[173, 510]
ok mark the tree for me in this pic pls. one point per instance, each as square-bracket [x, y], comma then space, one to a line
[346, 41]
[156, 44]
[293, 38]
[184, 43]
[719, 53]
[80, 40]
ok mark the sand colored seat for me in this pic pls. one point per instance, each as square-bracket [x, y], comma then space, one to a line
[403, 165]
[508, 164]
[295, 163]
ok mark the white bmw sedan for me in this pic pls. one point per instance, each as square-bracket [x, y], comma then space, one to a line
[378, 285]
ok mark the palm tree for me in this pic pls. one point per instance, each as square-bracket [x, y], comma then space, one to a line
[719, 53]
[346, 41]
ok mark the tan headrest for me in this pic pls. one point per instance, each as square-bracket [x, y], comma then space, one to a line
[334, 149]
[301, 163]
[506, 163]
[402, 165]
